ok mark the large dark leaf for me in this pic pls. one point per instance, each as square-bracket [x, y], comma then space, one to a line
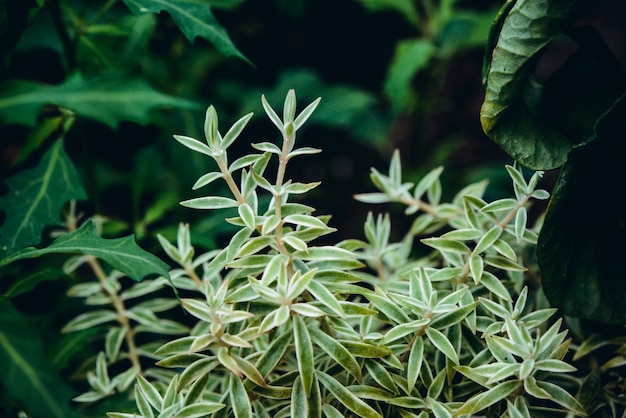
[538, 124]
[26, 371]
[35, 199]
[107, 99]
[122, 254]
[194, 18]
[583, 240]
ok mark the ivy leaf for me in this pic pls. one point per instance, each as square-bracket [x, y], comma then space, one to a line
[123, 254]
[579, 272]
[539, 123]
[25, 370]
[193, 18]
[35, 199]
[107, 99]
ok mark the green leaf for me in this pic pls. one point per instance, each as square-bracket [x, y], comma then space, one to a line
[539, 124]
[443, 244]
[107, 99]
[579, 272]
[361, 349]
[199, 409]
[193, 18]
[239, 399]
[28, 280]
[35, 199]
[150, 393]
[304, 352]
[274, 353]
[123, 254]
[337, 352]
[381, 375]
[488, 239]
[409, 58]
[486, 399]
[299, 407]
[443, 344]
[25, 370]
[209, 202]
[343, 395]
[414, 365]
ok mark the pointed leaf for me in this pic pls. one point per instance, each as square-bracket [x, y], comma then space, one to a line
[121, 253]
[35, 199]
[343, 395]
[304, 352]
[239, 399]
[108, 99]
[194, 19]
[337, 352]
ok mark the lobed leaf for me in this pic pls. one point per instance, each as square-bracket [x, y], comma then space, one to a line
[35, 199]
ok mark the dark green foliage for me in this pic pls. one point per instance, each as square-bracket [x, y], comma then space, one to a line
[573, 120]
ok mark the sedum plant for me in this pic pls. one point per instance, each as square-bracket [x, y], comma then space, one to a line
[441, 323]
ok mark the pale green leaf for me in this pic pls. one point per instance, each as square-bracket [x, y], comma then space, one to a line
[414, 365]
[209, 202]
[337, 352]
[442, 343]
[343, 395]
[304, 352]
[239, 399]
[195, 145]
[150, 393]
[484, 400]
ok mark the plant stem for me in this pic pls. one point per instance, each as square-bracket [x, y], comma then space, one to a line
[505, 221]
[423, 206]
[230, 181]
[193, 275]
[118, 303]
[280, 178]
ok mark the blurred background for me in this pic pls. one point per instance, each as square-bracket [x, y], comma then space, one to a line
[392, 75]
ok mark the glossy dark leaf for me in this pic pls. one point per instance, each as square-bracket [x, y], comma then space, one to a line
[121, 253]
[193, 18]
[536, 123]
[35, 199]
[109, 99]
[26, 371]
[578, 249]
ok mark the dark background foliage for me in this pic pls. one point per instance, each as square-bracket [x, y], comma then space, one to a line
[134, 173]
